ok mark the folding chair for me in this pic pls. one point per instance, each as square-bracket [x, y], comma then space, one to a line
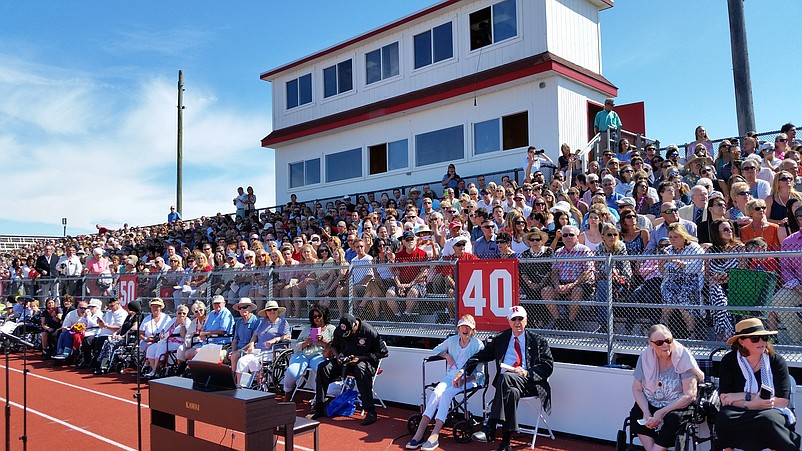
[352, 383]
[750, 288]
[533, 402]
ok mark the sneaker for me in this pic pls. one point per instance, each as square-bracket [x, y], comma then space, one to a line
[60, 356]
[429, 446]
[414, 444]
[483, 436]
[370, 418]
[318, 413]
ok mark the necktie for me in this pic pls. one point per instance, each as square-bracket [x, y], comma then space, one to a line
[698, 216]
[518, 357]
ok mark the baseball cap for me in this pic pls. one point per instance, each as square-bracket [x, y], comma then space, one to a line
[517, 312]
[408, 234]
[453, 224]
[347, 324]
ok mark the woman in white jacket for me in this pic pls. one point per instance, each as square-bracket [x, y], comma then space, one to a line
[456, 349]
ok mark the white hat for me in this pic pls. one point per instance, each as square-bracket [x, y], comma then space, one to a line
[561, 206]
[95, 303]
[517, 312]
[466, 322]
[247, 302]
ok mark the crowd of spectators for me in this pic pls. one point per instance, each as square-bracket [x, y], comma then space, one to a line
[738, 197]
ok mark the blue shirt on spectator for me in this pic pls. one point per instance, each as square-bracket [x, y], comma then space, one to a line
[486, 248]
[268, 330]
[243, 331]
[220, 321]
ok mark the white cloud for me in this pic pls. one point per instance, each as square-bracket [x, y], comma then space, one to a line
[96, 158]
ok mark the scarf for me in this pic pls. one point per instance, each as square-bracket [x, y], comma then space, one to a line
[751, 386]
[681, 360]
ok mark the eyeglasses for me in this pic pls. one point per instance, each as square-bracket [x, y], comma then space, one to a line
[516, 319]
[748, 168]
[81, 308]
[243, 307]
[487, 227]
[272, 309]
[707, 170]
[181, 313]
[756, 339]
[626, 170]
[610, 234]
[535, 239]
[629, 216]
[782, 140]
[198, 311]
[662, 342]
[670, 211]
[460, 244]
[719, 204]
[743, 193]
[726, 229]
[759, 208]
[571, 234]
[785, 179]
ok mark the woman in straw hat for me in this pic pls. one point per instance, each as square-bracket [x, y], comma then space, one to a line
[169, 340]
[664, 385]
[272, 329]
[456, 350]
[755, 390]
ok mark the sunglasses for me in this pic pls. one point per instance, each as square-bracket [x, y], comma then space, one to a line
[272, 309]
[756, 339]
[502, 242]
[460, 244]
[662, 342]
[243, 307]
[535, 239]
[629, 216]
[520, 222]
[487, 227]
[782, 140]
[759, 208]
[409, 239]
[743, 193]
[610, 234]
[719, 204]
[748, 168]
[726, 229]
[785, 179]
[670, 211]
[569, 234]
[316, 316]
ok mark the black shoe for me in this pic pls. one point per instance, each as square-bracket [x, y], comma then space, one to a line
[504, 446]
[370, 418]
[318, 413]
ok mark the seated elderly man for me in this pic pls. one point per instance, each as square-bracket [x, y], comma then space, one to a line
[523, 365]
[87, 315]
[570, 279]
[218, 327]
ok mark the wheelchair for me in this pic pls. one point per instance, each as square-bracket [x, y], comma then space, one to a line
[702, 411]
[273, 365]
[29, 330]
[459, 418]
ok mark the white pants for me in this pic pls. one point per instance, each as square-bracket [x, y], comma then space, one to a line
[160, 348]
[250, 363]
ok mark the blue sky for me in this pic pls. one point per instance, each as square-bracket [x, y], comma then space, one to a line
[88, 92]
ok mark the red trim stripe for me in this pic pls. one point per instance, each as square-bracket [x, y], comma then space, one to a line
[487, 79]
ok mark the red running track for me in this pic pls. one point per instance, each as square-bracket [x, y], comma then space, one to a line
[72, 408]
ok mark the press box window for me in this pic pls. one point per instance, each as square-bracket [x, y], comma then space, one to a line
[305, 173]
[338, 79]
[299, 91]
[505, 133]
[493, 24]
[439, 146]
[344, 165]
[381, 63]
[388, 157]
[433, 45]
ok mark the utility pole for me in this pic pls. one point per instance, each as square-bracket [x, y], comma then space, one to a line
[744, 108]
[180, 150]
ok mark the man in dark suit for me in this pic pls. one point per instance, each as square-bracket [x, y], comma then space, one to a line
[46, 267]
[523, 366]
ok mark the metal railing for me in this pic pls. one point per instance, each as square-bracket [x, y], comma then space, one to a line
[697, 300]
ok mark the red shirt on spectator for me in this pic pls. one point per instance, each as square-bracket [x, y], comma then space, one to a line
[448, 270]
[407, 274]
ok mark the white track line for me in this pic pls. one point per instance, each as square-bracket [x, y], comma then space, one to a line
[77, 387]
[74, 428]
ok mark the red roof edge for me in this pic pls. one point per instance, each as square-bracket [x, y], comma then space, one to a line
[491, 77]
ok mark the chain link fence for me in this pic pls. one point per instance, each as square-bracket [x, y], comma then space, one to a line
[590, 302]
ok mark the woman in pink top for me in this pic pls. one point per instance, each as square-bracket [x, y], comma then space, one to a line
[97, 267]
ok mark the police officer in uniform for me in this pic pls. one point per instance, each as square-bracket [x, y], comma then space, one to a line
[358, 349]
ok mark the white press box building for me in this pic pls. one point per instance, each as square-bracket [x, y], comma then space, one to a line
[469, 82]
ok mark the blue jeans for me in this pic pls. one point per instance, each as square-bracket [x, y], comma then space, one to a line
[298, 364]
[64, 345]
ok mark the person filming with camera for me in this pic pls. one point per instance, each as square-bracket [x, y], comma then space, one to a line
[535, 160]
[357, 348]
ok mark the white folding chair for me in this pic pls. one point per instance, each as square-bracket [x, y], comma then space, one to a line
[533, 402]
[306, 383]
[376, 396]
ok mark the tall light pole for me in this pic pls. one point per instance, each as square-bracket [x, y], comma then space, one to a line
[744, 108]
[179, 147]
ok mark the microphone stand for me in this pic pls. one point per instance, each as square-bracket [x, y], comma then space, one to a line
[7, 339]
[138, 394]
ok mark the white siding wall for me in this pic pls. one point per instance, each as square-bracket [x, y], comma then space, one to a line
[527, 96]
[573, 32]
[575, 20]
[573, 111]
